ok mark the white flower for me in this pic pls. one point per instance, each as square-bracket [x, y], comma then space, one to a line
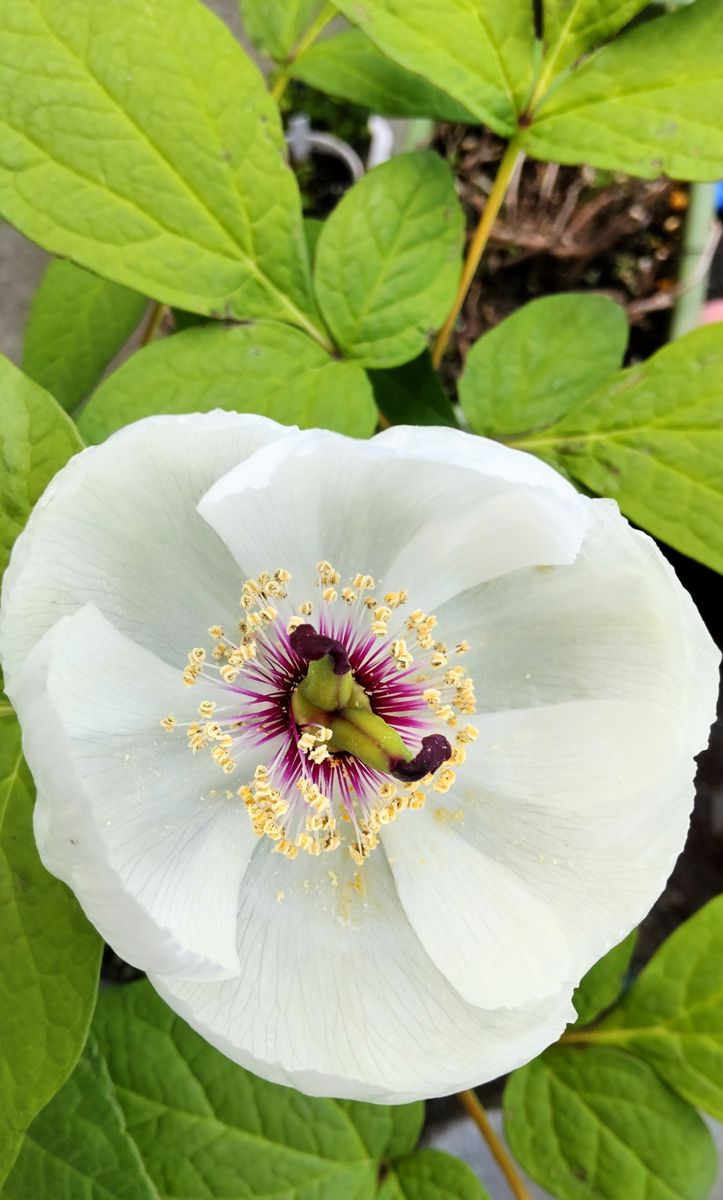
[272, 857]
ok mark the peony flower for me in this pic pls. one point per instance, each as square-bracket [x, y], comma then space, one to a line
[364, 751]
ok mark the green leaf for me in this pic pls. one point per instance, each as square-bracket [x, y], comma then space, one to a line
[350, 67]
[205, 1127]
[594, 1122]
[78, 1147]
[77, 324]
[572, 27]
[412, 394]
[673, 1015]
[537, 364]
[601, 986]
[49, 960]
[650, 102]
[275, 26]
[49, 955]
[388, 260]
[261, 367]
[431, 1175]
[312, 229]
[387, 1131]
[36, 439]
[480, 54]
[139, 140]
[652, 439]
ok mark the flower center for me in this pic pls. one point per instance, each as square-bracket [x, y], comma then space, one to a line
[330, 696]
[344, 721]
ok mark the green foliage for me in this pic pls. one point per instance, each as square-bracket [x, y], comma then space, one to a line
[388, 260]
[572, 27]
[205, 1127]
[150, 152]
[275, 26]
[49, 955]
[600, 988]
[350, 67]
[312, 231]
[431, 1175]
[594, 1122]
[673, 1016]
[262, 367]
[650, 103]
[49, 959]
[386, 1131]
[536, 365]
[652, 438]
[77, 324]
[78, 1148]
[175, 1118]
[479, 54]
[412, 394]
[36, 439]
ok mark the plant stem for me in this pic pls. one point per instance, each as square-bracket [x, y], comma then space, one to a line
[317, 27]
[477, 245]
[155, 321]
[497, 1148]
[696, 235]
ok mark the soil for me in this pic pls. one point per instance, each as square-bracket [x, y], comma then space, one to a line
[566, 229]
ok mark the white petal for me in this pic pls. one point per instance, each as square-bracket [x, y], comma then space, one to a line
[496, 942]
[118, 528]
[615, 624]
[336, 996]
[587, 803]
[443, 445]
[431, 525]
[141, 830]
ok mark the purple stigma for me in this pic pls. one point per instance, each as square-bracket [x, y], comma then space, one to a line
[435, 750]
[311, 646]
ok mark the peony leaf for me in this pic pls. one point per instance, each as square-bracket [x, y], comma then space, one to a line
[534, 366]
[412, 394]
[78, 1147]
[601, 986]
[388, 260]
[479, 54]
[78, 322]
[593, 1121]
[387, 1131]
[49, 960]
[36, 439]
[205, 1127]
[673, 1015]
[431, 1175]
[572, 27]
[262, 367]
[139, 140]
[652, 438]
[312, 230]
[275, 26]
[49, 955]
[350, 67]
[650, 102]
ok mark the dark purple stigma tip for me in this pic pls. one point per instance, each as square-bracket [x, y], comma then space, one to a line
[311, 646]
[435, 750]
